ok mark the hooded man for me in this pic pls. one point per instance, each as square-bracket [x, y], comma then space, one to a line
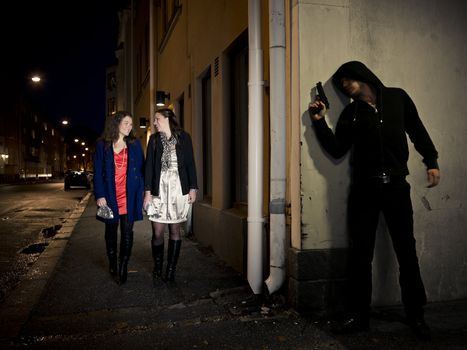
[374, 127]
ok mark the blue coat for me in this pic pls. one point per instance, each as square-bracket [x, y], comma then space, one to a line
[104, 180]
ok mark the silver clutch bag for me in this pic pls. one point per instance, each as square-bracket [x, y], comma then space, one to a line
[150, 209]
[105, 212]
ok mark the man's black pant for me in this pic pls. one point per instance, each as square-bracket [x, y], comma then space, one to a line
[366, 201]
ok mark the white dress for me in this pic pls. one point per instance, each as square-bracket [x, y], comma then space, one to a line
[171, 206]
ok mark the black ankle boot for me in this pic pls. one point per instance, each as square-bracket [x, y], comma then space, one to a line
[123, 270]
[158, 256]
[113, 269]
[172, 258]
[111, 247]
[126, 244]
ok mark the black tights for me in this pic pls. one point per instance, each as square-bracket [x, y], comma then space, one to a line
[158, 230]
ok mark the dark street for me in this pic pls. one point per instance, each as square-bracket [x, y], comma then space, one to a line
[30, 214]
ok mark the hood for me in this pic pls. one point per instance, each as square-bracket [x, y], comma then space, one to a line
[358, 71]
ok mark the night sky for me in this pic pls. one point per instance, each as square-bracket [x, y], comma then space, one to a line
[69, 43]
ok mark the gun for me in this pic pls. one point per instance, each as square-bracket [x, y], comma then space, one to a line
[320, 96]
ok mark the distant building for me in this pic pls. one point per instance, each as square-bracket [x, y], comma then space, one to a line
[31, 146]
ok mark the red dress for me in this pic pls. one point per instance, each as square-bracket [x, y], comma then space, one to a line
[121, 162]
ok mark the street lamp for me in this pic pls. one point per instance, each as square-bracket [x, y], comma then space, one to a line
[143, 123]
[65, 122]
[160, 98]
[36, 79]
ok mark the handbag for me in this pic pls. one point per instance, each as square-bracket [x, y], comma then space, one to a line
[105, 212]
[150, 209]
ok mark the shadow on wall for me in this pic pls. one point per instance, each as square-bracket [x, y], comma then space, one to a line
[335, 171]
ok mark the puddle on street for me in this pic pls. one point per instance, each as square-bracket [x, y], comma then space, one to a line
[35, 248]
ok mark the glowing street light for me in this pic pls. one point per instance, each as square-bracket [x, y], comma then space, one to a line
[76, 140]
[36, 78]
[65, 122]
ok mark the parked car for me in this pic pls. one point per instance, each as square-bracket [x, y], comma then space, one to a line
[77, 178]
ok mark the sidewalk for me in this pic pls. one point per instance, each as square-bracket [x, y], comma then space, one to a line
[68, 301]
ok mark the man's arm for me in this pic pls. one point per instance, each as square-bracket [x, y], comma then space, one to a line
[336, 144]
[421, 140]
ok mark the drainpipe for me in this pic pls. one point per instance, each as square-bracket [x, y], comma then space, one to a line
[132, 106]
[152, 71]
[277, 128]
[255, 148]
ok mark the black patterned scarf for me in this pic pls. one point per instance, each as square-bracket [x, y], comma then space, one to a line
[167, 146]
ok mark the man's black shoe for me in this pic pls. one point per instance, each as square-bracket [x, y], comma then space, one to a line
[351, 325]
[419, 328]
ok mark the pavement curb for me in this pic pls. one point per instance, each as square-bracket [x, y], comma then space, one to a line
[18, 305]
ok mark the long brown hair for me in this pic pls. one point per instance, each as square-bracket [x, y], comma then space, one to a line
[175, 128]
[111, 131]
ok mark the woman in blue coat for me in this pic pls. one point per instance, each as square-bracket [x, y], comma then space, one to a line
[119, 184]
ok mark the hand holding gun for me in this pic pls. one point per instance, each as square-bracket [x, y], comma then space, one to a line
[320, 105]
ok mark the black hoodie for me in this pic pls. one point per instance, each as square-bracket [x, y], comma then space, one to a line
[377, 137]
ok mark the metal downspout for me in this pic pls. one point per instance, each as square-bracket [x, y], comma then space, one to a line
[152, 71]
[278, 135]
[255, 148]
[132, 105]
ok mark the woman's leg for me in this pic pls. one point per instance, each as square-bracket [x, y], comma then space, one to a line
[173, 252]
[111, 247]
[126, 244]
[157, 246]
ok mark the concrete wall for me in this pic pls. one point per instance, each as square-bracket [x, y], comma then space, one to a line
[419, 45]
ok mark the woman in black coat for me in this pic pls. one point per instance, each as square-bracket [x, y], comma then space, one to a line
[170, 187]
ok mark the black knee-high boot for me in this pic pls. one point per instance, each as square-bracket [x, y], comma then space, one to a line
[158, 256]
[111, 248]
[126, 243]
[172, 258]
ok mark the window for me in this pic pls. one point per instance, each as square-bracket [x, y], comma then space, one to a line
[238, 56]
[169, 10]
[145, 55]
[139, 69]
[207, 137]
[111, 81]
